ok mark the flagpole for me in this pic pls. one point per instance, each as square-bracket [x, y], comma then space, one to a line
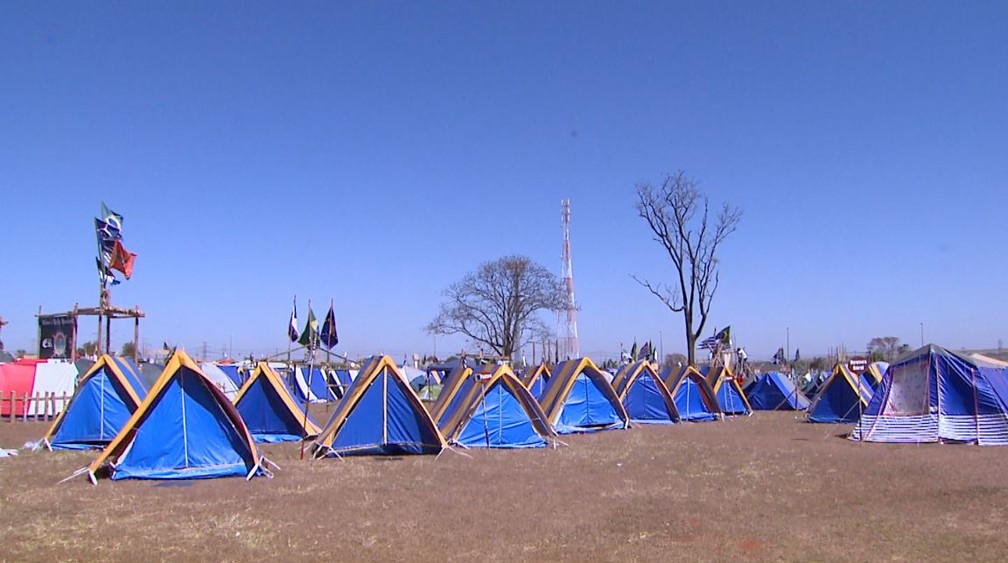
[311, 366]
[289, 341]
[328, 351]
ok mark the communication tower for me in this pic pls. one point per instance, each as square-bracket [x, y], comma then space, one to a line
[568, 345]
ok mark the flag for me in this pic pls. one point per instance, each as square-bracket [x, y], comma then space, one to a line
[722, 337]
[633, 352]
[122, 259]
[309, 336]
[797, 355]
[645, 351]
[328, 334]
[778, 357]
[111, 217]
[292, 330]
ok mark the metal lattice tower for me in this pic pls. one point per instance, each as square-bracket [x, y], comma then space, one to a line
[568, 345]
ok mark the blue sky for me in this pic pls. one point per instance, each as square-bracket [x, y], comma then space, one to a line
[374, 153]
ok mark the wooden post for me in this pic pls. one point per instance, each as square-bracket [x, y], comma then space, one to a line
[11, 411]
[24, 407]
[36, 401]
[136, 335]
[73, 336]
[108, 333]
[63, 408]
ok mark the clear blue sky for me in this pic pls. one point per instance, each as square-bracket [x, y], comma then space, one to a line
[376, 152]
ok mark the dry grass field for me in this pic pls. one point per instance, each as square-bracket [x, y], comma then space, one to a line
[764, 487]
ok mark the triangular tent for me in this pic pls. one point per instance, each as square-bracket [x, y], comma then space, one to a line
[234, 373]
[694, 398]
[774, 391]
[535, 380]
[379, 414]
[318, 383]
[934, 395]
[579, 398]
[644, 395]
[842, 398]
[220, 379]
[730, 397]
[106, 397]
[876, 370]
[269, 411]
[496, 411]
[185, 429]
[450, 386]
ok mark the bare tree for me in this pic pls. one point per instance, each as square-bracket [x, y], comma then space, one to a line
[886, 348]
[677, 214]
[498, 304]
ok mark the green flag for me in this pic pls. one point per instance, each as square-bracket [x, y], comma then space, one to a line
[309, 336]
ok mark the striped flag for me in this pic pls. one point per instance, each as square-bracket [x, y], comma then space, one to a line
[328, 334]
[292, 330]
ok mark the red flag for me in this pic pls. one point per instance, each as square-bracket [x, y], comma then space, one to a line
[122, 259]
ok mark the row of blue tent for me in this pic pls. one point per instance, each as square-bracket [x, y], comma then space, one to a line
[185, 418]
[184, 427]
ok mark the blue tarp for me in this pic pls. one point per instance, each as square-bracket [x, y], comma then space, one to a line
[99, 409]
[774, 391]
[499, 421]
[185, 434]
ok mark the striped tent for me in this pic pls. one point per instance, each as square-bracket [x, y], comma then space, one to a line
[935, 395]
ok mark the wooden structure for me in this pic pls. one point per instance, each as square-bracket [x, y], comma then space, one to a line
[105, 313]
[29, 408]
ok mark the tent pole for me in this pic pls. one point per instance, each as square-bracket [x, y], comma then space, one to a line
[311, 366]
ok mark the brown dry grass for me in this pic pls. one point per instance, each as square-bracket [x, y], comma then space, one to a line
[765, 487]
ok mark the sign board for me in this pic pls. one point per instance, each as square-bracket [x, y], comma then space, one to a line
[858, 365]
[56, 337]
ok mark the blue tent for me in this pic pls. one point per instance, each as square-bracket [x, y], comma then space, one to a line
[450, 386]
[496, 411]
[106, 397]
[579, 398]
[934, 395]
[269, 412]
[694, 398]
[774, 391]
[535, 380]
[185, 429]
[318, 382]
[842, 397]
[730, 397]
[644, 395]
[379, 414]
[231, 370]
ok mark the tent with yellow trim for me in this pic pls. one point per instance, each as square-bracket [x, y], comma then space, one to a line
[579, 398]
[496, 411]
[535, 380]
[270, 412]
[186, 428]
[379, 414]
[731, 399]
[450, 386]
[107, 395]
[644, 395]
[839, 397]
[693, 396]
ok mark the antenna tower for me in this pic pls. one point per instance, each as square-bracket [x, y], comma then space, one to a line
[568, 345]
